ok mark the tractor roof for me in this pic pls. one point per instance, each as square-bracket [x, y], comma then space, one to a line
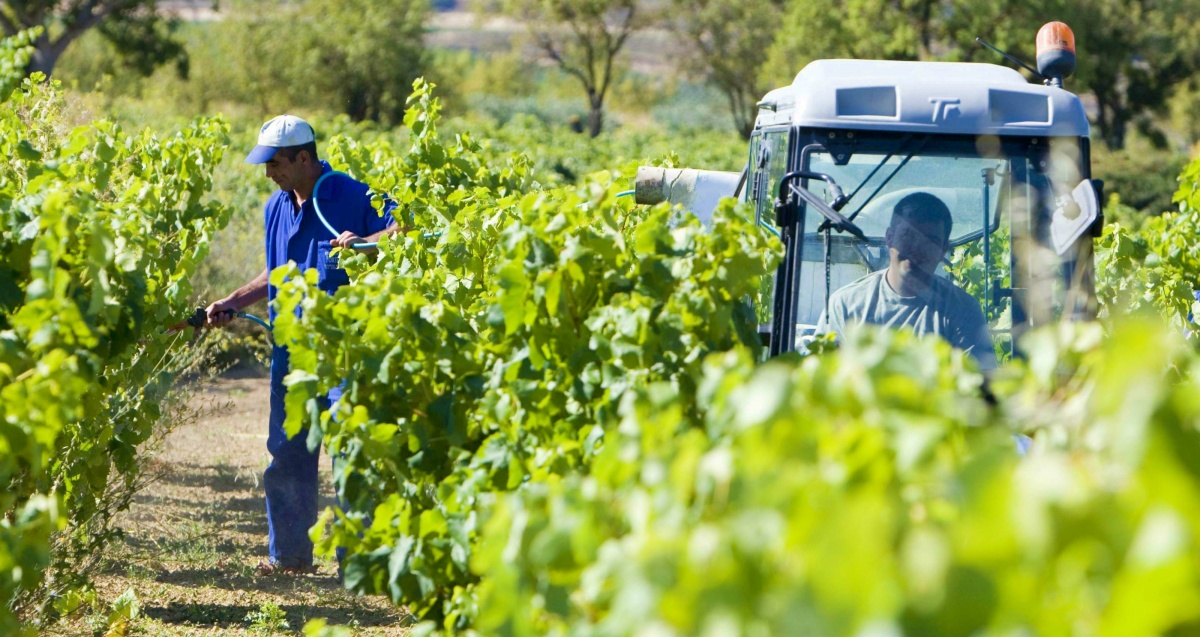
[933, 97]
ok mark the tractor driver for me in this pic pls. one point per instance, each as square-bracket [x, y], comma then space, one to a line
[908, 294]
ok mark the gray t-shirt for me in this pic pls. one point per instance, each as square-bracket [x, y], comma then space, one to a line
[942, 309]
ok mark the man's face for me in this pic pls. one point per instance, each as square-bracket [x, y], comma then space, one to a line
[286, 173]
[916, 245]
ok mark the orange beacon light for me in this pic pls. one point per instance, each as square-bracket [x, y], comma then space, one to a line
[1055, 52]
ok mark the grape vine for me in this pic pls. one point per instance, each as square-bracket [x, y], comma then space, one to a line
[100, 232]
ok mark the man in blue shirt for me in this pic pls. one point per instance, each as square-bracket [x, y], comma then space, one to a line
[287, 147]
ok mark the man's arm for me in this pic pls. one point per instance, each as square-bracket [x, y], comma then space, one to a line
[221, 312]
[348, 239]
[971, 332]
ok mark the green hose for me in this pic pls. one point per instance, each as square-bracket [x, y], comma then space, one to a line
[358, 246]
[255, 319]
[317, 206]
[199, 319]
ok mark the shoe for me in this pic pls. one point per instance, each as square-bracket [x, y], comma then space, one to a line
[271, 568]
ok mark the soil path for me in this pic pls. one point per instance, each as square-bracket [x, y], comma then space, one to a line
[193, 536]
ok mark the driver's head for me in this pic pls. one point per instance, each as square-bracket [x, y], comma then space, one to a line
[920, 231]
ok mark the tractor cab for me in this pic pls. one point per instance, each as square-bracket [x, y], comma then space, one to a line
[833, 153]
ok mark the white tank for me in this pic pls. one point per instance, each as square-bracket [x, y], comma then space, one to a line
[697, 191]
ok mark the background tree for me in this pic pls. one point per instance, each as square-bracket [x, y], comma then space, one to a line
[144, 37]
[728, 42]
[363, 55]
[866, 29]
[583, 37]
[1133, 55]
[1184, 106]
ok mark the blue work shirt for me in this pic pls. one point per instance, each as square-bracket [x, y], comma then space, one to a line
[299, 236]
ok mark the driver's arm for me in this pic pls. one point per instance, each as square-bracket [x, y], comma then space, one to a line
[972, 335]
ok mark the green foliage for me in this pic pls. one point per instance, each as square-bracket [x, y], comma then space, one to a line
[364, 54]
[1145, 179]
[1183, 105]
[321, 628]
[15, 53]
[145, 41]
[243, 59]
[1132, 54]
[872, 489]
[559, 156]
[555, 156]
[969, 274]
[269, 619]
[556, 421]
[869, 29]
[101, 230]
[903, 30]
[502, 350]
[125, 609]
[1155, 266]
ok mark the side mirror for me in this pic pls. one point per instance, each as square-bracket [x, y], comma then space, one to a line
[1074, 216]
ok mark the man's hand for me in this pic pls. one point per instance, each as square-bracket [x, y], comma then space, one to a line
[347, 240]
[220, 313]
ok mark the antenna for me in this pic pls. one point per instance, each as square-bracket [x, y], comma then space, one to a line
[1011, 58]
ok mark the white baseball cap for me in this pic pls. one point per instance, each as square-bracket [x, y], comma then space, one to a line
[280, 132]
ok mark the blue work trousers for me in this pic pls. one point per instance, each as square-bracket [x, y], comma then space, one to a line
[290, 480]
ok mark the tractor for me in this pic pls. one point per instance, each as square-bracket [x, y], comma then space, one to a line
[832, 153]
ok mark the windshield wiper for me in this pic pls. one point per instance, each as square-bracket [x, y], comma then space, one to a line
[874, 170]
[892, 174]
[829, 211]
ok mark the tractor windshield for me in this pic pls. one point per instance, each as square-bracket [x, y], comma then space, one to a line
[993, 191]
[961, 182]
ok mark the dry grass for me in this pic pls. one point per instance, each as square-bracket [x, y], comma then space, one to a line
[193, 536]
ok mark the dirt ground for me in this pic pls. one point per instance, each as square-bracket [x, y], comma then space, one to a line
[193, 536]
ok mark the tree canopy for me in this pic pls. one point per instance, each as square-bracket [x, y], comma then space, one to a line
[729, 41]
[583, 37]
[1133, 55]
[143, 36]
[365, 54]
